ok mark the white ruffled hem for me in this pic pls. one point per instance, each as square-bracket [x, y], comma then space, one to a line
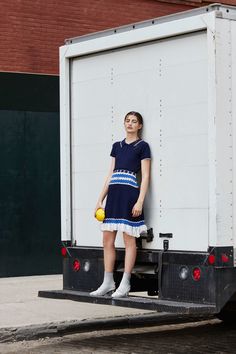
[130, 230]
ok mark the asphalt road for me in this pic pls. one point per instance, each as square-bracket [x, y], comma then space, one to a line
[210, 336]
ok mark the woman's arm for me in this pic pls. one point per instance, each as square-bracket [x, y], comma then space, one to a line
[145, 171]
[105, 187]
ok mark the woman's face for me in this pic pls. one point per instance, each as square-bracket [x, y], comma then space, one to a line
[132, 124]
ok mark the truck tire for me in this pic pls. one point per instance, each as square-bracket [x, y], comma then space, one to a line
[228, 313]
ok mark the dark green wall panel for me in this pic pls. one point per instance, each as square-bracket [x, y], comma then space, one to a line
[29, 189]
[29, 92]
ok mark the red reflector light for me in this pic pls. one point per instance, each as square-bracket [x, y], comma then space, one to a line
[211, 259]
[196, 274]
[224, 258]
[63, 251]
[76, 265]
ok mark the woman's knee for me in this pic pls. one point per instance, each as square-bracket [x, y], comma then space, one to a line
[129, 241]
[109, 239]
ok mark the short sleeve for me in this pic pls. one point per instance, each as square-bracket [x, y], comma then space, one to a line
[113, 150]
[145, 151]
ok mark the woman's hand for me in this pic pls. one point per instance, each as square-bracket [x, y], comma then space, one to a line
[137, 209]
[98, 206]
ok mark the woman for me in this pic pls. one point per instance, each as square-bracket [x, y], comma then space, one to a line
[124, 204]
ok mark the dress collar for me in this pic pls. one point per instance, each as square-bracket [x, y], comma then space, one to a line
[123, 142]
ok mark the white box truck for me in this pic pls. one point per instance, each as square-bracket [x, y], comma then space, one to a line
[179, 71]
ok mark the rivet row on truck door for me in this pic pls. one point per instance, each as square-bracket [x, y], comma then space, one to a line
[160, 136]
[112, 121]
[112, 76]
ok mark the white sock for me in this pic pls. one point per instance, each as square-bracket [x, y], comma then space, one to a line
[108, 278]
[125, 281]
[124, 286]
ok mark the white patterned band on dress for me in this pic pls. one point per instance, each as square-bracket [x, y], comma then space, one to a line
[133, 228]
[124, 177]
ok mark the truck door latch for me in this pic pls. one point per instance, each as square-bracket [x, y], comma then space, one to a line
[148, 236]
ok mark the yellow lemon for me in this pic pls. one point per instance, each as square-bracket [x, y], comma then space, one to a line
[100, 214]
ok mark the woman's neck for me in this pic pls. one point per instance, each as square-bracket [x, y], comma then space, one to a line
[130, 138]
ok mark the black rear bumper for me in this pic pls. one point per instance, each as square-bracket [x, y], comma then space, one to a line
[158, 274]
[155, 272]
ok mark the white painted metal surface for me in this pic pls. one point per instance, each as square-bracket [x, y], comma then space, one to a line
[183, 85]
[167, 82]
[65, 143]
[233, 68]
[224, 145]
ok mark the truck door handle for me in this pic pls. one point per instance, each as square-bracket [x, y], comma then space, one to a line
[168, 235]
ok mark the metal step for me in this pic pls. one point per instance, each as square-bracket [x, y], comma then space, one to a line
[139, 302]
[140, 269]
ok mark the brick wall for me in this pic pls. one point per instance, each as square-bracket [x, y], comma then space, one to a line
[32, 30]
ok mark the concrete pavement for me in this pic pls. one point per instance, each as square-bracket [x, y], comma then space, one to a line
[24, 315]
[20, 304]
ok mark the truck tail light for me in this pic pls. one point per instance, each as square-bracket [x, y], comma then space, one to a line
[224, 258]
[211, 259]
[76, 265]
[196, 273]
[63, 251]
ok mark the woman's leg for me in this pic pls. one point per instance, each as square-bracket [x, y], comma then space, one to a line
[130, 257]
[109, 253]
[130, 252]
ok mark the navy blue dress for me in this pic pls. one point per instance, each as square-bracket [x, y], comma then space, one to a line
[123, 191]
